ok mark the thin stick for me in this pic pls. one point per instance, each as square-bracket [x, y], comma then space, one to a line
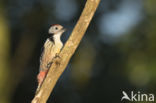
[59, 64]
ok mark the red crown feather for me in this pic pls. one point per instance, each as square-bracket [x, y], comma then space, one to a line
[55, 25]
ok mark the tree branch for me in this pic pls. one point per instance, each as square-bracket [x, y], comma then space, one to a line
[59, 64]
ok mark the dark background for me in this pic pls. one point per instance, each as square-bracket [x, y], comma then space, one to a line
[116, 54]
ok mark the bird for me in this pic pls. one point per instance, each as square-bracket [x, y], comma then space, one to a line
[51, 49]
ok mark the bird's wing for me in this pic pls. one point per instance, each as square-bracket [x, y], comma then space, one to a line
[47, 55]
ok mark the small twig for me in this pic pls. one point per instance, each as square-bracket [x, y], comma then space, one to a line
[59, 64]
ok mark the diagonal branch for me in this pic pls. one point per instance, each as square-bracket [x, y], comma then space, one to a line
[60, 64]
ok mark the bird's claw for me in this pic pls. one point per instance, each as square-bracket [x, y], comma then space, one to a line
[57, 55]
[57, 58]
[49, 64]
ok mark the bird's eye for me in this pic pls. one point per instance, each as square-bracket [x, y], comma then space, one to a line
[56, 28]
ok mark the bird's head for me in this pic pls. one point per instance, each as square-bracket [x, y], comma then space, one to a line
[56, 28]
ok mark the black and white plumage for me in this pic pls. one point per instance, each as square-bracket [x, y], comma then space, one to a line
[52, 47]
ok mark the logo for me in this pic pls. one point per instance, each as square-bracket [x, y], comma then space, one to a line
[137, 96]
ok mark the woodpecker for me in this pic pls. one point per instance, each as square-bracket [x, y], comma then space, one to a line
[52, 48]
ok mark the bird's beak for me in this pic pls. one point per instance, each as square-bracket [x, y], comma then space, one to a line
[64, 29]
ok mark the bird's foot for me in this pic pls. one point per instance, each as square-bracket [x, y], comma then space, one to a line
[49, 64]
[57, 59]
[57, 55]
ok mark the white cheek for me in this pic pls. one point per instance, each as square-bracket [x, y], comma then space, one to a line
[50, 30]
